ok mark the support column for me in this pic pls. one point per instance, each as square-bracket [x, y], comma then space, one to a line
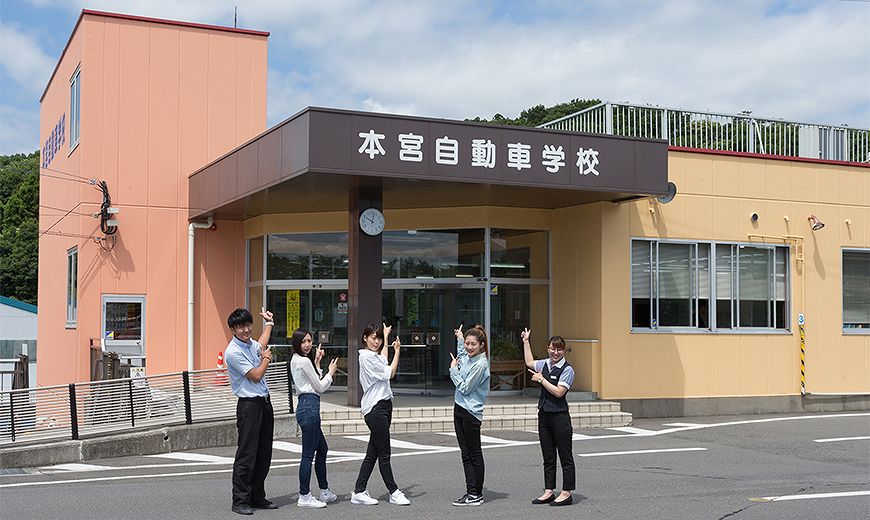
[363, 277]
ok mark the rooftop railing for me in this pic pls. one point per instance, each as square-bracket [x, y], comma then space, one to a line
[727, 132]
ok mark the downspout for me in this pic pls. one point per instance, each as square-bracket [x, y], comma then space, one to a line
[190, 235]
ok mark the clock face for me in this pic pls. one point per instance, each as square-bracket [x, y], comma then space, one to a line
[371, 221]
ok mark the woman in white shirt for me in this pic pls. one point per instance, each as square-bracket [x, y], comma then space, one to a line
[375, 373]
[305, 368]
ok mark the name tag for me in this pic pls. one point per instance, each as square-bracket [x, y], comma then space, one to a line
[553, 377]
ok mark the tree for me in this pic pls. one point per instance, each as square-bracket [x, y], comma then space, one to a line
[539, 114]
[19, 225]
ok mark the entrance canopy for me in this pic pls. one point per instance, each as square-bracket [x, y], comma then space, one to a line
[310, 161]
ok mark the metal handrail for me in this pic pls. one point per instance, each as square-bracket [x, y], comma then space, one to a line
[721, 131]
[116, 405]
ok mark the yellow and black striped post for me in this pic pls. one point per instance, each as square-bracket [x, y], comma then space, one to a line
[803, 362]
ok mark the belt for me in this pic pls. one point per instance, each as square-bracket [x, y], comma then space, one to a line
[266, 398]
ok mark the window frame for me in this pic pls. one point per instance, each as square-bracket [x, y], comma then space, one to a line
[126, 348]
[713, 326]
[72, 287]
[849, 331]
[75, 109]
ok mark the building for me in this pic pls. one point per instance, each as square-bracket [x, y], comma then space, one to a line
[17, 336]
[333, 219]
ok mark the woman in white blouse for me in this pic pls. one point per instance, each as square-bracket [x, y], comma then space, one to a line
[305, 368]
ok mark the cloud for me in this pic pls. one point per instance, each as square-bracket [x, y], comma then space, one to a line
[23, 59]
[19, 130]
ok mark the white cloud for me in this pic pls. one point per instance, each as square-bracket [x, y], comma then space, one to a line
[19, 130]
[22, 58]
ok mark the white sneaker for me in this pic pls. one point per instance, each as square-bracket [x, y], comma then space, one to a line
[399, 498]
[327, 496]
[309, 501]
[363, 499]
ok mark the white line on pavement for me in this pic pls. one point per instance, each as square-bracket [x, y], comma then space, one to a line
[812, 496]
[637, 452]
[395, 443]
[838, 439]
[74, 467]
[483, 438]
[632, 430]
[292, 447]
[193, 457]
[680, 424]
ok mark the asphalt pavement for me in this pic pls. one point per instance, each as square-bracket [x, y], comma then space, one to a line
[737, 467]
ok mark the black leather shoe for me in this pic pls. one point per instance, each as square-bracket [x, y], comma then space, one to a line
[567, 502]
[538, 501]
[243, 509]
[265, 504]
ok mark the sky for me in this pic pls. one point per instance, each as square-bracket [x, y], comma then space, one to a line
[802, 60]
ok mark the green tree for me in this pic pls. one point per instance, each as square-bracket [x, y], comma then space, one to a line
[539, 114]
[19, 225]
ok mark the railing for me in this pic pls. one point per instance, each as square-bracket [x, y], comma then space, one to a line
[729, 132]
[117, 405]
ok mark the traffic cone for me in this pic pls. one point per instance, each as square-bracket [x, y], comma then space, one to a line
[221, 378]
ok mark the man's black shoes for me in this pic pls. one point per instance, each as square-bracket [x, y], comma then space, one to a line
[243, 509]
[265, 504]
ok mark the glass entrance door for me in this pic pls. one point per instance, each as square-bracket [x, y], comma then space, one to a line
[424, 317]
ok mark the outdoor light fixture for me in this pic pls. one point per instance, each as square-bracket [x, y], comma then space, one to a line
[848, 222]
[785, 218]
[815, 222]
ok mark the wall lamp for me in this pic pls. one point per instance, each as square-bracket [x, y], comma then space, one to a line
[815, 222]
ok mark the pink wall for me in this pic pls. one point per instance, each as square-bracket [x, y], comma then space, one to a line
[158, 100]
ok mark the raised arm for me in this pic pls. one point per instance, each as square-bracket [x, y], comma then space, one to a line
[527, 348]
[460, 342]
[394, 366]
[267, 327]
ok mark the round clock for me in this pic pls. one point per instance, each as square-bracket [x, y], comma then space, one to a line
[371, 221]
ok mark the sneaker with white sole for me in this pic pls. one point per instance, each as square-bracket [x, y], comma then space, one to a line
[327, 496]
[399, 498]
[309, 501]
[363, 498]
[468, 500]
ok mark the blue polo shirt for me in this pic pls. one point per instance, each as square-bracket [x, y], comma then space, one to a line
[241, 357]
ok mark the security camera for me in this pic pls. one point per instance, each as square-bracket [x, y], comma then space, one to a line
[754, 217]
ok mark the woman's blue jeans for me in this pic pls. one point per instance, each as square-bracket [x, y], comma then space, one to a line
[314, 447]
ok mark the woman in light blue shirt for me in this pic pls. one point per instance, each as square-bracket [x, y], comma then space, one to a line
[469, 371]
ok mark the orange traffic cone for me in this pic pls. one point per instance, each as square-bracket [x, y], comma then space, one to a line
[221, 378]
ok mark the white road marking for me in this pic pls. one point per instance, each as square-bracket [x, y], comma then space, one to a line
[838, 439]
[194, 457]
[75, 467]
[812, 496]
[632, 430]
[581, 437]
[680, 424]
[756, 421]
[637, 452]
[396, 443]
[292, 447]
[483, 438]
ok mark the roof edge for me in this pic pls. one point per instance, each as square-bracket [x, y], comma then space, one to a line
[120, 16]
[18, 304]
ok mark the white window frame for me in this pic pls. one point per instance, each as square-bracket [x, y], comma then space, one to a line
[714, 327]
[75, 109]
[849, 331]
[72, 287]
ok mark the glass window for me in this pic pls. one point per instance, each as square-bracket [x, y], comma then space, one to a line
[307, 256]
[455, 253]
[123, 324]
[671, 285]
[75, 88]
[856, 290]
[518, 253]
[72, 286]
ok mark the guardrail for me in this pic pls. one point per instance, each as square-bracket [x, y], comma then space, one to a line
[116, 405]
[714, 131]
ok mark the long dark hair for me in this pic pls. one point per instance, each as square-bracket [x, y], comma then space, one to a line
[480, 335]
[296, 341]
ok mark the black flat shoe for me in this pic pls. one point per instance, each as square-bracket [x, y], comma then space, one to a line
[243, 509]
[567, 502]
[265, 504]
[538, 501]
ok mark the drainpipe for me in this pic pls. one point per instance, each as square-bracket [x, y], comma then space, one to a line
[190, 228]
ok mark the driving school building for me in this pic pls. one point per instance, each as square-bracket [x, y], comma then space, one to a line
[333, 219]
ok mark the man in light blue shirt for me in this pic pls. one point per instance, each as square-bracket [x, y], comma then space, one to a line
[247, 361]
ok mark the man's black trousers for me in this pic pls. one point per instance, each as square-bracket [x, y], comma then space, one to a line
[255, 422]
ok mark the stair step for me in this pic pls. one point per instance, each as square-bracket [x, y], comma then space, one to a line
[447, 411]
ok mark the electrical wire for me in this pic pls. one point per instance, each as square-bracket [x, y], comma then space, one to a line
[86, 180]
[93, 215]
[61, 218]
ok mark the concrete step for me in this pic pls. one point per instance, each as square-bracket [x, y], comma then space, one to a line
[523, 417]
